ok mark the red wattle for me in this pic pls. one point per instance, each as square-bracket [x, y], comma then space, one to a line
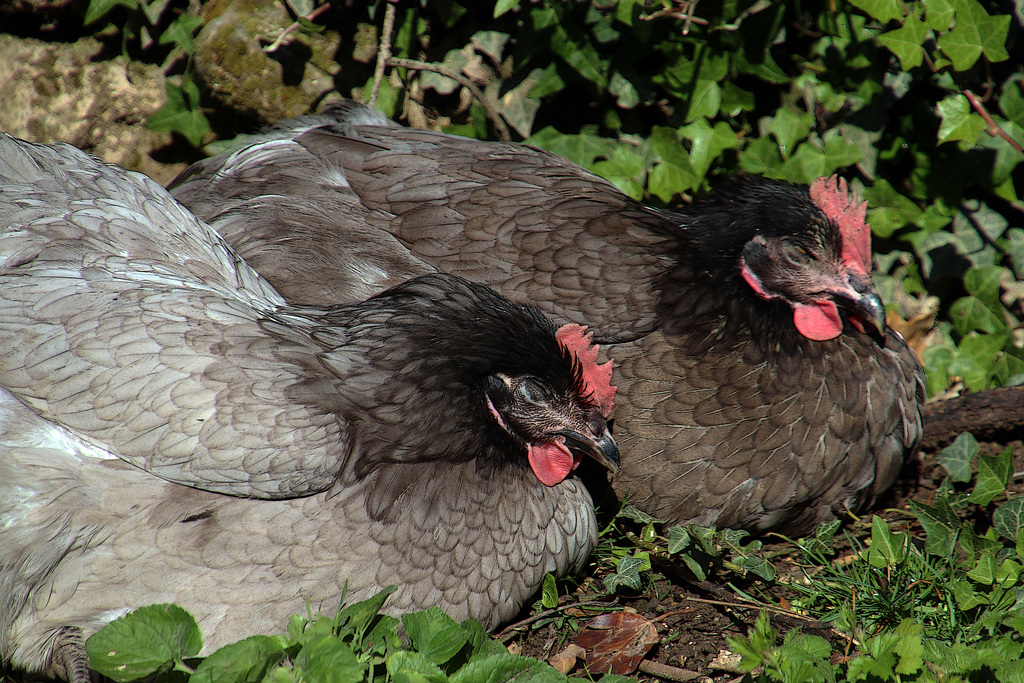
[551, 462]
[819, 321]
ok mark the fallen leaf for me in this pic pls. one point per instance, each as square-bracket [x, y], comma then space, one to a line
[565, 660]
[515, 649]
[617, 643]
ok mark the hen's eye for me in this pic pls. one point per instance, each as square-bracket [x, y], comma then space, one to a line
[796, 254]
[533, 391]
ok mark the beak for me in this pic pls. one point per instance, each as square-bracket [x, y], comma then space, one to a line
[603, 449]
[861, 299]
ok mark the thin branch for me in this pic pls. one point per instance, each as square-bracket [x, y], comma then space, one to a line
[384, 51]
[510, 630]
[668, 672]
[492, 114]
[274, 46]
[994, 129]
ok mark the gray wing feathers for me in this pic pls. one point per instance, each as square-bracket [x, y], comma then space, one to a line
[136, 326]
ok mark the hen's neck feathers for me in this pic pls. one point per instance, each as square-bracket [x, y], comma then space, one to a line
[413, 363]
[704, 298]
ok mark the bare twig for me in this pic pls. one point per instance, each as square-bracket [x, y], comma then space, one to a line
[994, 129]
[668, 672]
[274, 46]
[489, 109]
[384, 50]
[511, 629]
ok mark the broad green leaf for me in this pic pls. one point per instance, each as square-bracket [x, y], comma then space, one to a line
[503, 6]
[910, 646]
[99, 8]
[985, 284]
[993, 475]
[500, 668]
[181, 113]
[1012, 104]
[667, 180]
[940, 525]
[958, 456]
[435, 634]
[242, 662]
[329, 660]
[906, 42]
[889, 210]
[149, 640]
[984, 569]
[678, 540]
[1008, 519]
[180, 32]
[939, 14]
[966, 596]
[705, 101]
[357, 617]
[790, 127]
[708, 143]
[975, 33]
[626, 94]
[624, 169]
[883, 10]
[958, 121]
[637, 515]
[970, 313]
[519, 107]
[758, 566]
[491, 43]
[548, 82]
[412, 667]
[580, 149]
[887, 549]
[549, 592]
[761, 157]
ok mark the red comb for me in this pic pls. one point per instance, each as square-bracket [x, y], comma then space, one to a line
[597, 379]
[845, 208]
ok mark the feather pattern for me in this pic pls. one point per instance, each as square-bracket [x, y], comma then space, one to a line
[752, 390]
[171, 430]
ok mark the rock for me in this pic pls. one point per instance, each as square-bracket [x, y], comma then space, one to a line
[62, 92]
[266, 86]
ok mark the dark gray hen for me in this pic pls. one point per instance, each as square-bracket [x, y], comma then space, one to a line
[172, 431]
[759, 386]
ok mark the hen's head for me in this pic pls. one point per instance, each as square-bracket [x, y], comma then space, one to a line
[477, 376]
[809, 249]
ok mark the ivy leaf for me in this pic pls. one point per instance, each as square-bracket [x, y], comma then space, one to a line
[144, 642]
[970, 313]
[938, 14]
[975, 33]
[958, 122]
[503, 6]
[958, 456]
[705, 101]
[993, 474]
[906, 42]
[883, 10]
[180, 33]
[99, 8]
[181, 113]
[1008, 519]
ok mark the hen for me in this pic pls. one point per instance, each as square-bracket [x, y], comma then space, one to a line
[172, 431]
[759, 386]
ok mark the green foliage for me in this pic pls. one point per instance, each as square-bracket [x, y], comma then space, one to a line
[918, 102]
[359, 644]
[946, 609]
[153, 21]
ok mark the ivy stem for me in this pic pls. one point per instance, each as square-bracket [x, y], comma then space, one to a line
[994, 129]
[492, 113]
[384, 50]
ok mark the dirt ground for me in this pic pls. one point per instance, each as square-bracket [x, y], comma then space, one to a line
[694, 619]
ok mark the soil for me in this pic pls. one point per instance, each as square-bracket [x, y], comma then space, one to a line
[695, 619]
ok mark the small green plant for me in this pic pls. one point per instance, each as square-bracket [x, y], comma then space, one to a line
[180, 112]
[937, 605]
[358, 644]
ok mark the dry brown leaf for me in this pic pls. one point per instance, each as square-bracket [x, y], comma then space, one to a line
[617, 643]
[565, 660]
[515, 649]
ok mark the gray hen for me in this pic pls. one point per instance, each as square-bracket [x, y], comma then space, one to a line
[759, 386]
[172, 431]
